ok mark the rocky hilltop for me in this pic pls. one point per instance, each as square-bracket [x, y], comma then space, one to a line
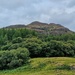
[43, 28]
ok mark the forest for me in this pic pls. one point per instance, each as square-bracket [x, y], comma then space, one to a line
[17, 46]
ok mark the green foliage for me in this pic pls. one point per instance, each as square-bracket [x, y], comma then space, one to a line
[14, 58]
[3, 40]
[33, 40]
[39, 45]
[6, 47]
[45, 66]
[14, 46]
[17, 40]
[63, 37]
[34, 46]
[10, 34]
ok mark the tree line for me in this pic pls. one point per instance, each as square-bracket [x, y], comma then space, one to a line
[18, 45]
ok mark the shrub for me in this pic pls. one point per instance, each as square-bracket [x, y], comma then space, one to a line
[14, 46]
[34, 49]
[45, 49]
[33, 45]
[33, 40]
[57, 48]
[6, 47]
[14, 58]
[17, 40]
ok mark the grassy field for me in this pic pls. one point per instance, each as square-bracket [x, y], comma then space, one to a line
[45, 66]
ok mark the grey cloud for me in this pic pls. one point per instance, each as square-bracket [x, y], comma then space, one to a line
[71, 3]
[12, 4]
[26, 11]
[66, 19]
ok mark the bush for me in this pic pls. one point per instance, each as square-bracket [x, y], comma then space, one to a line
[57, 49]
[34, 49]
[17, 40]
[14, 58]
[33, 40]
[45, 49]
[6, 47]
[33, 45]
[14, 46]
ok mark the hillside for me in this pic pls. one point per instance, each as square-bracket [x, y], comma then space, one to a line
[25, 52]
[44, 28]
[45, 66]
[16, 26]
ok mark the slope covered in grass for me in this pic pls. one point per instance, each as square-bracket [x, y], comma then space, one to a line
[45, 66]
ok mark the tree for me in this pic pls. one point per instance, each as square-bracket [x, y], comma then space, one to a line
[33, 45]
[13, 58]
[17, 40]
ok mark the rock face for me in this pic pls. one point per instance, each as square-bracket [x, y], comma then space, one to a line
[44, 28]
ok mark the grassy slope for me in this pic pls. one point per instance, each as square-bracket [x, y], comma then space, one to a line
[44, 66]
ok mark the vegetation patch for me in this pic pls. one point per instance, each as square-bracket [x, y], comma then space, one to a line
[33, 45]
[14, 58]
[63, 67]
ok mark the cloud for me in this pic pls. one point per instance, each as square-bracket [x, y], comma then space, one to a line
[26, 11]
[71, 3]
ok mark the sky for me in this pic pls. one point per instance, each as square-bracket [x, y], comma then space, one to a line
[47, 11]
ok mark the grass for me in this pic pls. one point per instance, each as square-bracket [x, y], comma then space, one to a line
[45, 66]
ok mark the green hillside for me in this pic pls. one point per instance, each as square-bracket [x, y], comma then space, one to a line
[45, 66]
[26, 52]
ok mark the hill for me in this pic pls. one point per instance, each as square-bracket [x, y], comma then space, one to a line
[49, 55]
[45, 66]
[44, 28]
[16, 26]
